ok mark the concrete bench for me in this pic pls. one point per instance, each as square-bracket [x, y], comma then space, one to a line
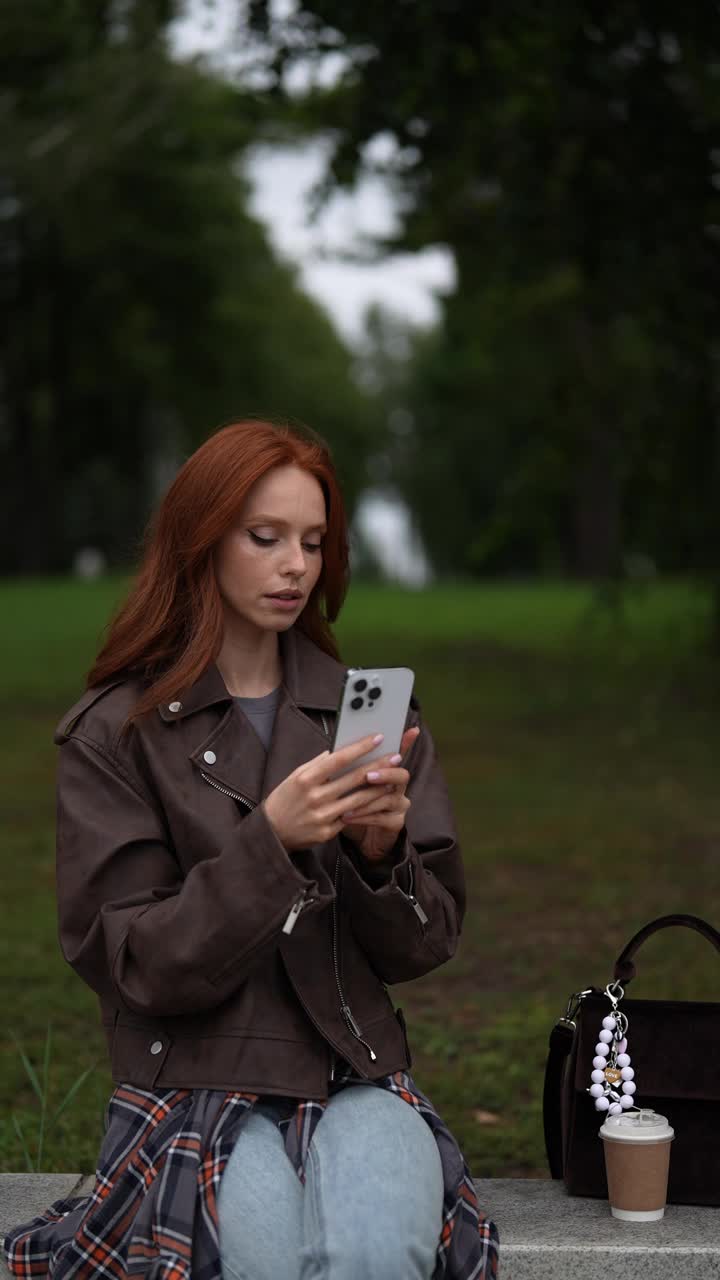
[25, 1195]
[544, 1233]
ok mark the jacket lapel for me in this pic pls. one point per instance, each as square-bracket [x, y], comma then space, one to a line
[295, 739]
[313, 679]
[232, 755]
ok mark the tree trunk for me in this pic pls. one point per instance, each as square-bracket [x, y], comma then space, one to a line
[35, 393]
[597, 507]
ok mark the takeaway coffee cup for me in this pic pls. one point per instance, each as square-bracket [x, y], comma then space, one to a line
[637, 1160]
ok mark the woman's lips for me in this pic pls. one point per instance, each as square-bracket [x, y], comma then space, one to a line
[285, 602]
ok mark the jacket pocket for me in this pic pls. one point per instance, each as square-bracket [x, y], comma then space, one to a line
[138, 1055]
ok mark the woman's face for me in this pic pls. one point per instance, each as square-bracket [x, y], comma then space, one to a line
[274, 546]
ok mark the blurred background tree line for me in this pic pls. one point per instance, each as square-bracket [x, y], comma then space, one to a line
[562, 418]
[142, 304]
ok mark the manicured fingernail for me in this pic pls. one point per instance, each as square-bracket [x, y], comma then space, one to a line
[378, 739]
[349, 814]
[395, 759]
[372, 777]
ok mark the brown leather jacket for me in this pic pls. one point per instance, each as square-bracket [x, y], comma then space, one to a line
[221, 961]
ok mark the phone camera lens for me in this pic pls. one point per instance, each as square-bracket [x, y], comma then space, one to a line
[360, 685]
[374, 693]
[357, 703]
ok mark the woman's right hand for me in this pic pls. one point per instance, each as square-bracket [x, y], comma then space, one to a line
[307, 806]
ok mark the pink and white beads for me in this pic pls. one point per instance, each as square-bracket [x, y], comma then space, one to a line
[612, 1076]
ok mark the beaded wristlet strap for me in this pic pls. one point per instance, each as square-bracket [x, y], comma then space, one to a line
[613, 1077]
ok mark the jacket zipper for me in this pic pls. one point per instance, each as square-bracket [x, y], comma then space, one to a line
[288, 927]
[218, 787]
[412, 899]
[294, 912]
[344, 1006]
[297, 907]
[303, 900]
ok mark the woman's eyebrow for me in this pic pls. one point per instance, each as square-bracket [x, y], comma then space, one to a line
[261, 518]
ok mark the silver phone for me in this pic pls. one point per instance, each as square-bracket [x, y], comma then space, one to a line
[373, 700]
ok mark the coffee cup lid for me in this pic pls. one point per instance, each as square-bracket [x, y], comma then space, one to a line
[641, 1125]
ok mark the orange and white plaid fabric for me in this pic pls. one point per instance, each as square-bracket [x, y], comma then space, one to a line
[153, 1210]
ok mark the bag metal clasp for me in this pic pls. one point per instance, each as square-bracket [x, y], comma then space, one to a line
[573, 1004]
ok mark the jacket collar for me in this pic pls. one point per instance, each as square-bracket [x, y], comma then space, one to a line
[312, 678]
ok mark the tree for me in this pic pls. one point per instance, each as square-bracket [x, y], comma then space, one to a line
[568, 155]
[145, 304]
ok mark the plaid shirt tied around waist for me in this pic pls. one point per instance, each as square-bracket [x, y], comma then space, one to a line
[153, 1210]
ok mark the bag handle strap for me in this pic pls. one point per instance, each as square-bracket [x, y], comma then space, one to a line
[561, 1040]
[624, 967]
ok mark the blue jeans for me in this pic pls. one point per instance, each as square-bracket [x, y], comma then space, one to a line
[371, 1205]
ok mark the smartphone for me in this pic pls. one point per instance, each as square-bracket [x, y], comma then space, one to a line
[373, 700]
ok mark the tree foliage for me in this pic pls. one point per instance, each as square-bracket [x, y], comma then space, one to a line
[143, 304]
[566, 412]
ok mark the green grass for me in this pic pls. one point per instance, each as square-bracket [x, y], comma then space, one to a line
[580, 746]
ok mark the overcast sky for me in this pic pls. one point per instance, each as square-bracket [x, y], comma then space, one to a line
[282, 177]
[405, 283]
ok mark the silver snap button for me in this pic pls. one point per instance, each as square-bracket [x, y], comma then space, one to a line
[209, 757]
[175, 706]
[156, 1046]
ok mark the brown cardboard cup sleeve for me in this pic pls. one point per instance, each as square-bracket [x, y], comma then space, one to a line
[637, 1161]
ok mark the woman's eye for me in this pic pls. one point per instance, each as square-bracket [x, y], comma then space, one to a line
[270, 542]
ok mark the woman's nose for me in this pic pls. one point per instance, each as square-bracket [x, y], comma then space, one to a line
[296, 562]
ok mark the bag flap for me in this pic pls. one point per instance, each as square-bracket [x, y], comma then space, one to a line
[674, 1046]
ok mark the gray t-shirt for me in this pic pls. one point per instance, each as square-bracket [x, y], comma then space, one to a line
[261, 713]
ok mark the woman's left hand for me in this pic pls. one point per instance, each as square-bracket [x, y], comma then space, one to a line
[375, 826]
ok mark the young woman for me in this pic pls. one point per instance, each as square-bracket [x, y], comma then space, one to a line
[240, 916]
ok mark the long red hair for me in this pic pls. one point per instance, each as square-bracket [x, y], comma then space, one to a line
[170, 627]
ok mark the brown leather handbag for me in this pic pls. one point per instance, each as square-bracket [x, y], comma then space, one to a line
[675, 1051]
